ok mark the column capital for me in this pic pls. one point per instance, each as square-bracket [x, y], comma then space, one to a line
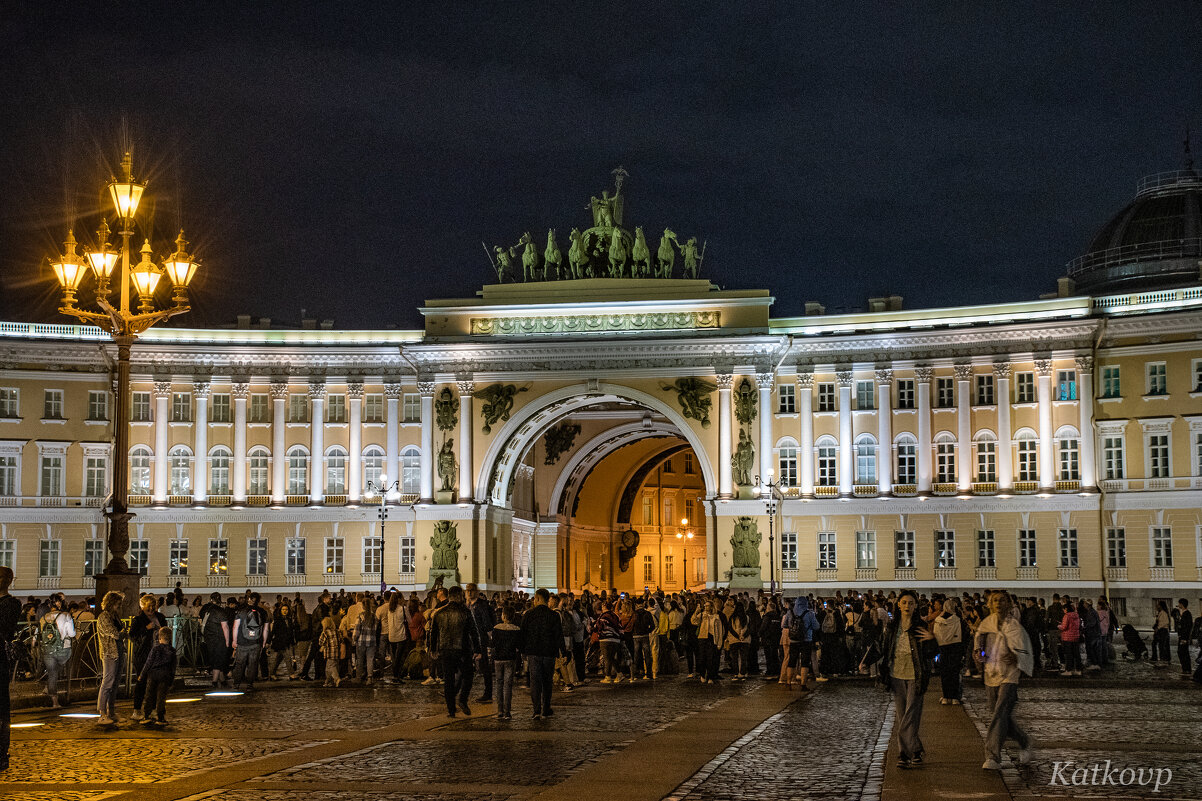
[279, 390]
[426, 388]
[1085, 364]
[240, 390]
[844, 377]
[317, 390]
[466, 387]
[963, 372]
[764, 380]
[162, 389]
[924, 374]
[884, 377]
[394, 390]
[202, 389]
[805, 380]
[1001, 370]
[1043, 366]
[724, 380]
[354, 390]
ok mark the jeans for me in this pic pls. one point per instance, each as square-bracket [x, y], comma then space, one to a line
[1183, 654]
[457, 675]
[578, 658]
[709, 658]
[486, 669]
[542, 669]
[287, 656]
[738, 658]
[907, 703]
[1002, 726]
[641, 663]
[951, 662]
[609, 658]
[246, 664]
[55, 660]
[503, 684]
[400, 653]
[1053, 648]
[106, 698]
[655, 648]
[365, 660]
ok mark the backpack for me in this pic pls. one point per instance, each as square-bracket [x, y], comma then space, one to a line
[253, 629]
[797, 628]
[50, 637]
[829, 626]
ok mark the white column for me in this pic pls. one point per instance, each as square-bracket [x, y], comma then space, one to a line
[1085, 405]
[200, 443]
[922, 377]
[354, 478]
[162, 399]
[317, 441]
[725, 480]
[964, 426]
[279, 441]
[1047, 460]
[426, 388]
[847, 454]
[764, 382]
[884, 430]
[805, 412]
[238, 479]
[392, 438]
[1005, 447]
[466, 467]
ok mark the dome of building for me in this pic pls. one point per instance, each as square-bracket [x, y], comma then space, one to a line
[1154, 243]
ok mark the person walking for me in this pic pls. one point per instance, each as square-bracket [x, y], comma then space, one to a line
[542, 642]
[215, 631]
[10, 614]
[1004, 649]
[1185, 632]
[57, 633]
[951, 635]
[903, 653]
[506, 640]
[454, 643]
[485, 620]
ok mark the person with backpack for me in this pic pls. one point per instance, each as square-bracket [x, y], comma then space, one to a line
[251, 629]
[215, 631]
[1003, 648]
[804, 629]
[56, 633]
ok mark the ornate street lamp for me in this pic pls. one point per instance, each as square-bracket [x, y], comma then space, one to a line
[685, 535]
[773, 494]
[383, 488]
[124, 325]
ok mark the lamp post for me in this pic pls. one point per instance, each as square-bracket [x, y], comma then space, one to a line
[383, 488]
[124, 325]
[773, 488]
[685, 535]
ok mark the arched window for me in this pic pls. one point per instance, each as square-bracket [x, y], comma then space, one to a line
[787, 462]
[256, 471]
[865, 459]
[411, 471]
[945, 458]
[219, 471]
[907, 459]
[827, 449]
[986, 445]
[335, 471]
[139, 470]
[1028, 455]
[298, 471]
[373, 466]
[180, 461]
[1068, 452]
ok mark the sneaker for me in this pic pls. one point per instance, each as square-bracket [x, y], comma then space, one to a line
[484, 699]
[991, 764]
[567, 688]
[536, 716]
[954, 702]
[944, 701]
[451, 714]
[917, 760]
[607, 680]
[105, 720]
[463, 707]
[823, 678]
[147, 721]
[429, 680]
[1076, 673]
[1024, 756]
[137, 715]
[1066, 673]
[328, 684]
[903, 763]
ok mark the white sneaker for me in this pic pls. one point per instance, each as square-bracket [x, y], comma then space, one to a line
[607, 680]
[991, 764]
[429, 680]
[105, 721]
[954, 702]
[1024, 756]
[137, 715]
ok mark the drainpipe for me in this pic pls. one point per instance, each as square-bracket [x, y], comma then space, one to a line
[1098, 458]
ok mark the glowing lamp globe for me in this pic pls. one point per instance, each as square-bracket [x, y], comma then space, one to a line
[179, 266]
[70, 269]
[146, 275]
[126, 193]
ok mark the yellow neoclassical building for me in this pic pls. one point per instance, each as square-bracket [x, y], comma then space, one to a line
[621, 430]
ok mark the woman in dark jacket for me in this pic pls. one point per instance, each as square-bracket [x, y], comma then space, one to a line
[905, 652]
[281, 641]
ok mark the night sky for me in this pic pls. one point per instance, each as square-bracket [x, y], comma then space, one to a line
[350, 162]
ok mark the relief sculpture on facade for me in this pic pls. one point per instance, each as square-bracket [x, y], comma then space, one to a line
[693, 395]
[498, 403]
[559, 440]
[444, 553]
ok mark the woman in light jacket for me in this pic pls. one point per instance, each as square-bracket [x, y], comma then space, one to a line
[951, 633]
[710, 636]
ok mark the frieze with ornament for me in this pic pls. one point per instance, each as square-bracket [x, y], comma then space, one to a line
[596, 323]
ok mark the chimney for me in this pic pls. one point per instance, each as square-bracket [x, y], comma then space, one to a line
[327, 325]
[877, 304]
[814, 308]
[309, 323]
[244, 321]
[1065, 287]
[895, 303]
[264, 322]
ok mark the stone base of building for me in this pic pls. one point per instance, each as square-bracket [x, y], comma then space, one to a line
[746, 578]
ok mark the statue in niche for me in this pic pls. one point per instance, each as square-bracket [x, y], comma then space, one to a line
[447, 466]
[558, 440]
[745, 543]
[498, 403]
[745, 410]
[446, 410]
[445, 545]
[693, 395]
[741, 459]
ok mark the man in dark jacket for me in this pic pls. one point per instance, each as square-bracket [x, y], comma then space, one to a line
[542, 641]
[455, 643]
[483, 617]
[10, 613]
[1185, 632]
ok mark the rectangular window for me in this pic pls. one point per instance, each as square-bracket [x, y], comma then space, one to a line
[1066, 385]
[336, 409]
[220, 410]
[334, 563]
[1026, 548]
[1157, 378]
[788, 467]
[985, 390]
[688, 464]
[260, 409]
[9, 404]
[945, 462]
[49, 563]
[336, 473]
[668, 466]
[786, 399]
[373, 555]
[256, 556]
[408, 555]
[669, 515]
[139, 409]
[1068, 547]
[1116, 547]
[373, 408]
[52, 408]
[219, 473]
[827, 460]
[1162, 546]
[139, 556]
[826, 397]
[1196, 365]
[669, 569]
[945, 392]
[865, 395]
[8, 476]
[8, 553]
[698, 570]
[986, 461]
[945, 549]
[1198, 454]
[52, 476]
[256, 472]
[181, 407]
[298, 473]
[177, 558]
[1112, 457]
[648, 510]
[98, 405]
[905, 393]
[1158, 456]
[1028, 463]
[866, 549]
[298, 408]
[96, 469]
[826, 551]
[93, 557]
[986, 550]
[294, 556]
[219, 557]
[411, 408]
[1069, 459]
[1111, 382]
[648, 570]
[788, 550]
[1024, 387]
[904, 540]
[907, 462]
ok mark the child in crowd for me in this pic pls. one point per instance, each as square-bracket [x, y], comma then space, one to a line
[329, 644]
[159, 674]
[505, 639]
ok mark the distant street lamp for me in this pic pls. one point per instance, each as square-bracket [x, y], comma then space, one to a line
[685, 535]
[383, 488]
[773, 488]
[124, 325]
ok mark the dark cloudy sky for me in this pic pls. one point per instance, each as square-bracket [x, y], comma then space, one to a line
[349, 159]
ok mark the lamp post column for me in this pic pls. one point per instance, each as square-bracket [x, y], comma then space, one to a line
[466, 465]
[162, 394]
[279, 442]
[118, 536]
[200, 432]
[354, 480]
